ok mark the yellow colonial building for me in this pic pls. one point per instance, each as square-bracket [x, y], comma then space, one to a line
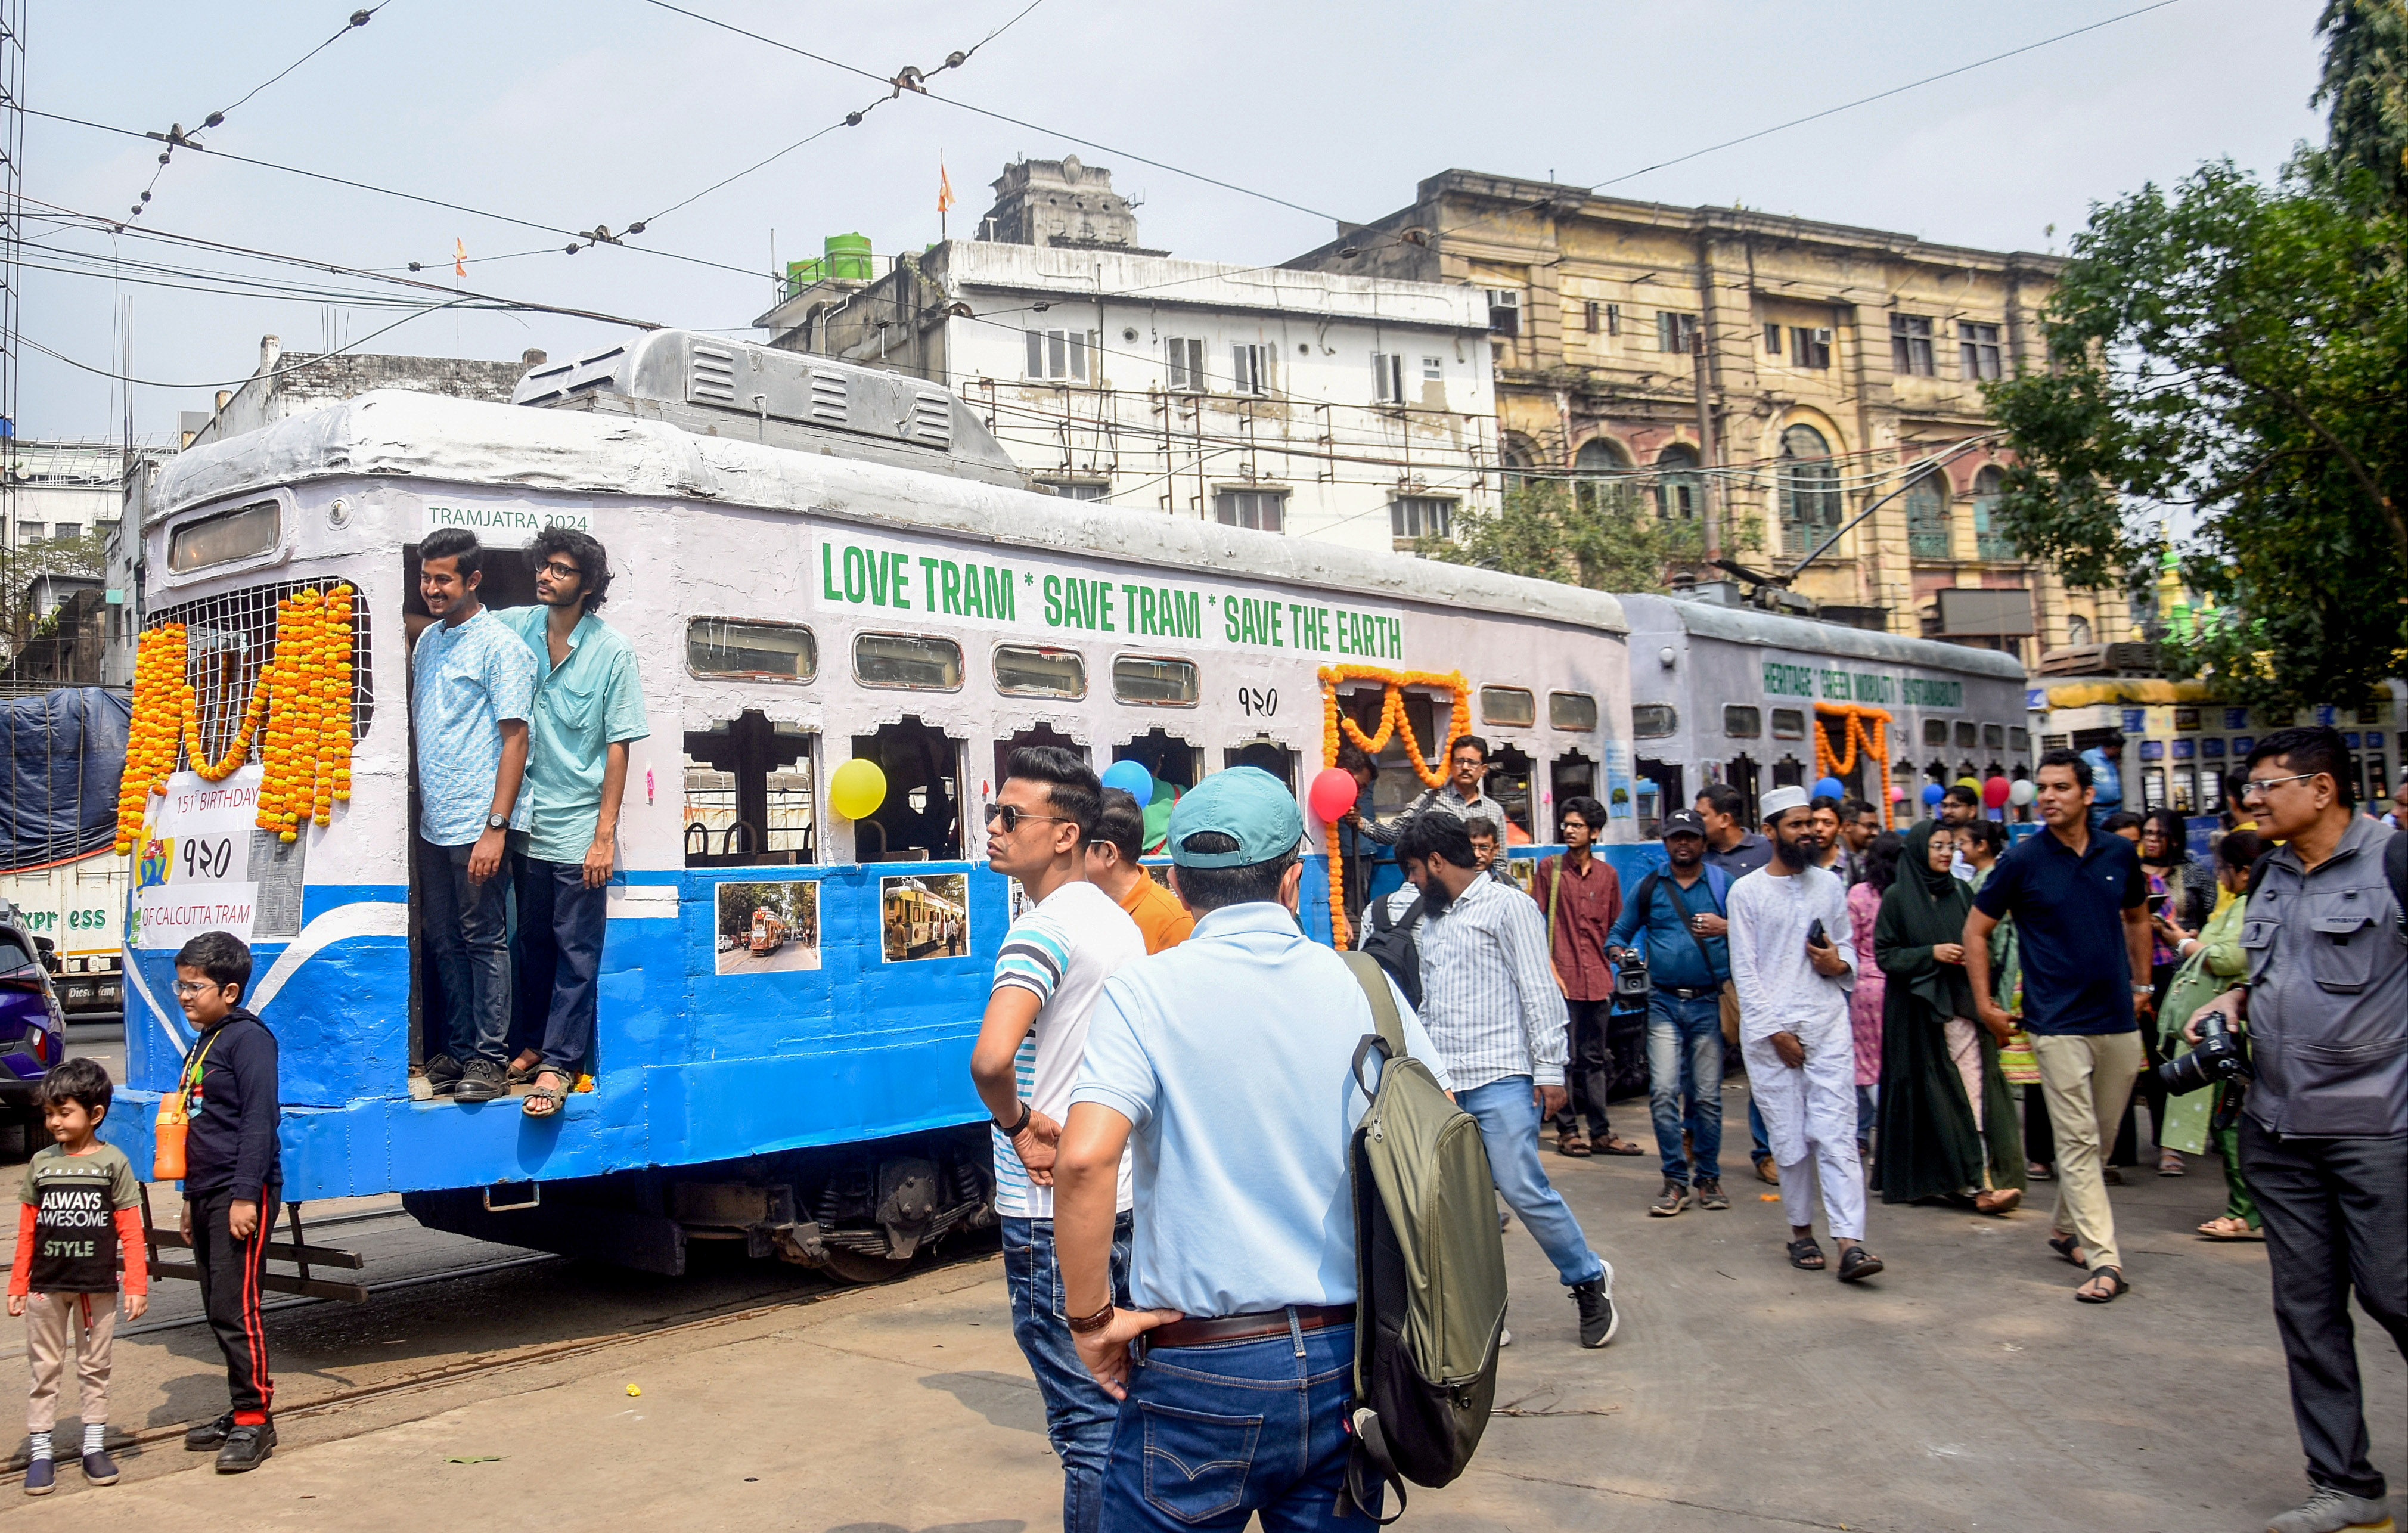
[1775, 378]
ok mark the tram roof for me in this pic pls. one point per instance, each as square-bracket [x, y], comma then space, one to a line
[396, 434]
[1746, 626]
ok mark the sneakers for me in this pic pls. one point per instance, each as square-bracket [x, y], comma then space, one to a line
[1505, 1335]
[2328, 1510]
[481, 1081]
[209, 1436]
[1710, 1193]
[248, 1447]
[41, 1477]
[100, 1469]
[1674, 1197]
[1598, 1319]
[442, 1074]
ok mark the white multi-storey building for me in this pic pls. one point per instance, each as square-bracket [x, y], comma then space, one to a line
[1356, 410]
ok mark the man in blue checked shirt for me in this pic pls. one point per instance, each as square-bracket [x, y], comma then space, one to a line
[589, 706]
[471, 685]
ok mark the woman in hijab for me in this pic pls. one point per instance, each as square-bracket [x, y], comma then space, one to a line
[1947, 1118]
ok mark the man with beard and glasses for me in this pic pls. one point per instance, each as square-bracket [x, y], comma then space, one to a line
[1793, 955]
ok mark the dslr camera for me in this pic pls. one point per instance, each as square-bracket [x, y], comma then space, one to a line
[2222, 1056]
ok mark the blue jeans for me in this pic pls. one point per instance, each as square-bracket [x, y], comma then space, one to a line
[1210, 1436]
[1508, 1127]
[1760, 1147]
[1685, 1059]
[466, 927]
[559, 959]
[1078, 1413]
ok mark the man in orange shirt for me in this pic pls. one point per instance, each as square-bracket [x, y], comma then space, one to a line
[1113, 867]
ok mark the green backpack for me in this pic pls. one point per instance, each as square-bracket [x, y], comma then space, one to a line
[1430, 1266]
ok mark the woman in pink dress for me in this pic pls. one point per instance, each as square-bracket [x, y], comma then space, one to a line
[1865, 1003]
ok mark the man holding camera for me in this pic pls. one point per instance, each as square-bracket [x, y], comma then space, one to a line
[2324, 1130]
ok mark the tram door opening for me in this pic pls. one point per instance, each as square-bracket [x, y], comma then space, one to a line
[1572, 775]
[1740, 772]
[1269, 755]
[1509, 783]
[748, 794]
[507, 579]
[921, 819]
[1041, 734]
[1660, 792]
[1170, 759]
[1397, 785]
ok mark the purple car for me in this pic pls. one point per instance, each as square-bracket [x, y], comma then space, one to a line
[32, 1029]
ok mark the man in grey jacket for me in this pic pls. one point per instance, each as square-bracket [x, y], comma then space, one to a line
[2324, 1135]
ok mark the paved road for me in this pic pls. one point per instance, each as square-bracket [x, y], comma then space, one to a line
[1963, 1389]
[789, 957]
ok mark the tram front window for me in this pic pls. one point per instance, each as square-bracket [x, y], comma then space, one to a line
[921, 819]
[748, 794]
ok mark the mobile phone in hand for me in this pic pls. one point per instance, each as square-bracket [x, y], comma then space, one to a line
[1814, 937]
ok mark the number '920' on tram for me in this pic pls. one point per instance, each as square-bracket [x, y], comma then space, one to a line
[817, 564]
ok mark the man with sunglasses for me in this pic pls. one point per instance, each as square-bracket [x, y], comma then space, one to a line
[2324, 1130]
[589, 709]
[1052, 967]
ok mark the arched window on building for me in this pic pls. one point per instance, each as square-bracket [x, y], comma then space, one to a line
[1990, 540]
[1927, 516]
[1602, 472]
[2077, 631]
[1679, 489]
[1518, 454]
[1810, 490]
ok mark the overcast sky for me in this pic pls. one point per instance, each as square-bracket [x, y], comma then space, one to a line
[610, 111]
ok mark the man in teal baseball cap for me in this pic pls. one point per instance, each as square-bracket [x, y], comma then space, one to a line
[1224, 1061]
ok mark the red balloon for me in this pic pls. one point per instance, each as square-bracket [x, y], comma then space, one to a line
[1332, 795]
[1994, 792]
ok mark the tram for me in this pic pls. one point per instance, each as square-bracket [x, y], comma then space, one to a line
[768, 934]
[817, 563]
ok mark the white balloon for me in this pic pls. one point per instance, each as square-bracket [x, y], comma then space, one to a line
[2024, 792]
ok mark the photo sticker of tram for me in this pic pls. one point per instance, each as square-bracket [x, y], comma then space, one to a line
[769, 928]
[925, 915]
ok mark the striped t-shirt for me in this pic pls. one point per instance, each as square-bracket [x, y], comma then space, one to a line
[1063, 948]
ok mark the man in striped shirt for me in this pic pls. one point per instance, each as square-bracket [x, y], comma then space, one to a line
[1492, 1007]
[1052, 967]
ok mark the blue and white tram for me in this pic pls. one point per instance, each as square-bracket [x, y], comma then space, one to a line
[817, 562]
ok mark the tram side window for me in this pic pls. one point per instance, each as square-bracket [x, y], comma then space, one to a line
[1509, 783]
[1789, 724]
[1572, 711]
[1994, 737]
[1172, 761]
[1935, 731]
[1266, 753]
[1396, 785]
[907, 662]
[1655, 722]
[1034, 671]
[921, 819]
[1743, 723]
[748, 798]
[1789, 772]
[2019, 742]
[1155, 682]
[1041, 734]
[751, 651]
[1508, 708]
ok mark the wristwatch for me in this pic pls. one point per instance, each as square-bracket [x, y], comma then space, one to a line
[497, 822]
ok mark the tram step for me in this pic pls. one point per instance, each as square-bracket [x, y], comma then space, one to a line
[355, 1293]
[278, 1251]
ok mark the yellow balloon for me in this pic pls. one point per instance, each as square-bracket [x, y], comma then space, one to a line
[1972, 782]
[857, 789]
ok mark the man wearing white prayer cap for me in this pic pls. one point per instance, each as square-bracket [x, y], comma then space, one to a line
[1794, 961]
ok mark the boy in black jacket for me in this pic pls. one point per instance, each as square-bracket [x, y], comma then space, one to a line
[231, 1181]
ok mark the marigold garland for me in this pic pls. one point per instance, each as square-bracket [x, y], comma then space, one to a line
[1394, 724]
[302, 698]
[1859, 724]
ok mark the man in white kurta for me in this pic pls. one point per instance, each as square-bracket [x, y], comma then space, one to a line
[1794, 1032]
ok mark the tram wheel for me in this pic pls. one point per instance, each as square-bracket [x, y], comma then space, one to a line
[859, 1266]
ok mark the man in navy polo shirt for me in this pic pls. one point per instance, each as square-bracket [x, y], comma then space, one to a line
[2080, 903]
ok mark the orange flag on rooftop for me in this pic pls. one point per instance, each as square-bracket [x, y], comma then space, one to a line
[459, 258]
[944, 190]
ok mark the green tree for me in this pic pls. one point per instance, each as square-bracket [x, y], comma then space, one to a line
[1604, 541]
[2365, 90]
[2237, 353]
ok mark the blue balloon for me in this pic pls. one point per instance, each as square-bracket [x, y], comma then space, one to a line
[1131, 778]
[1933, 792]
[1830, 787]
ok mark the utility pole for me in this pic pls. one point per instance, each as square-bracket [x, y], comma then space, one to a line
[12, 207]
[1707, 454]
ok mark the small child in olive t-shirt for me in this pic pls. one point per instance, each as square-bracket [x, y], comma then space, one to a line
[77, 1215]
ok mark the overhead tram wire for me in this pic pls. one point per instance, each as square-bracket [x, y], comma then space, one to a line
[232, 382]
[175, 137]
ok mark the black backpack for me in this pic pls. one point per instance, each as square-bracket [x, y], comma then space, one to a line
[1392, 945]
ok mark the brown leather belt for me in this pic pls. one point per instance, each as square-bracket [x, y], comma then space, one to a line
[1249, 1326]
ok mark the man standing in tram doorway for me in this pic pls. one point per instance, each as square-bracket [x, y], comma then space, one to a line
[1054, 961]
[588, 707]
[471, 683]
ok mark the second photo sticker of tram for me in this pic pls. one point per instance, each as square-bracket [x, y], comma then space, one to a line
[769, 928]
[925, 915]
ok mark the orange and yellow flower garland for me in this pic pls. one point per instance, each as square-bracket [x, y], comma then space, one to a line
[1860, 725]
[302, 699]
[1394, 724]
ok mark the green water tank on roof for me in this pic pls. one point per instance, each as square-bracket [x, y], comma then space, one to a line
[848, 258]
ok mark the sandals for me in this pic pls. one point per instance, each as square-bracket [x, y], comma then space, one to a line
[1806, 1254]
[1858, 1264]
[2225, 1227]
[2112, 1275]
[1615, 1144]
[551, 1098]
[2069, 1247]
[2170, 1162]
[1572, 1141]
[516, 1074]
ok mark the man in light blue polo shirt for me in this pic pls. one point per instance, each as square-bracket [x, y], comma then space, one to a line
[589, 706]
[470, 684]
[1224, 1061]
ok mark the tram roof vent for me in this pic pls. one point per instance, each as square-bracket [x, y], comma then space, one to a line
[718, 387]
